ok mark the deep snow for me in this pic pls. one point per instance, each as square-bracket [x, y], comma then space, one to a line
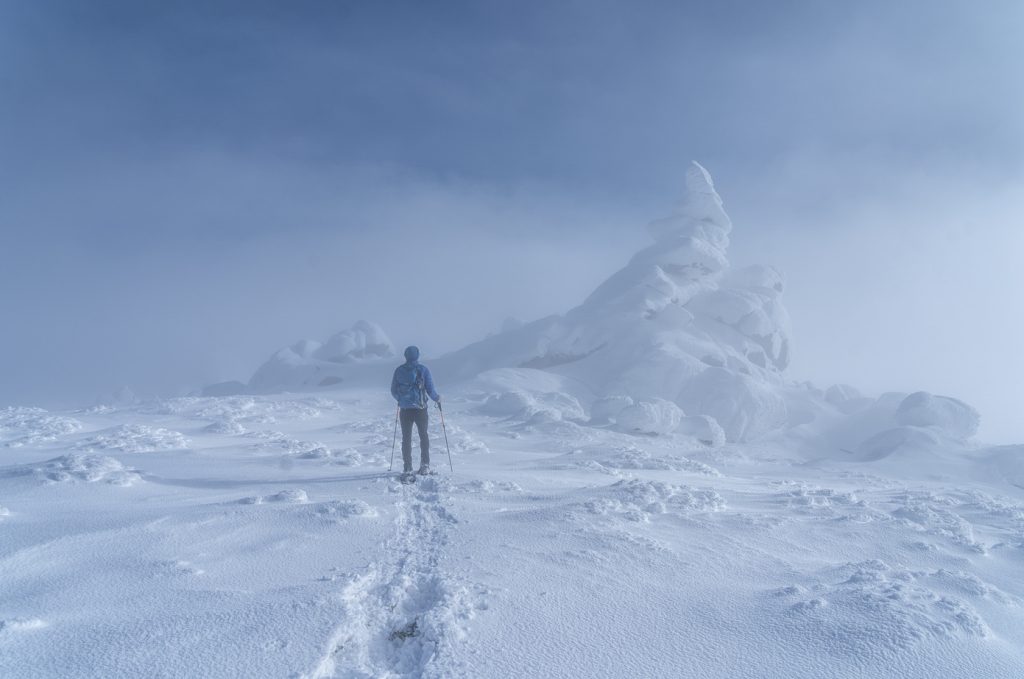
[142, 543]
[639, 491]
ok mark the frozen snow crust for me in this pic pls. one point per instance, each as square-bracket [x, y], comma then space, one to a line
[146, 541]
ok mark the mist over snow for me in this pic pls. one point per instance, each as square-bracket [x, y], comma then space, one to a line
[752, 416]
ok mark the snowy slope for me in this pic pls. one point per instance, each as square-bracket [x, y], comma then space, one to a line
[638, 491]
[263, 537]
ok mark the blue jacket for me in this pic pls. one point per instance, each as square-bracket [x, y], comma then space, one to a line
[411, 384]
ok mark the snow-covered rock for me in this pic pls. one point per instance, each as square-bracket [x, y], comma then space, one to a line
[704, 428]
[652, 330]
[745, 408]
[362, 341]
[308, 364]
[905, 439]
[953, 418]
[654, 416]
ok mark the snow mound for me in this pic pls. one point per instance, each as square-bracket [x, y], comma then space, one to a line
[526, 394]
[869, 607]
[953, 418]
[309, 365]
[654, 416]
[135, 438]
[463, 441]
[227, 427]
[339, 510]
[32, 426]
[637, 500]
[902, 439]
[938, 517]
[745, 408]
[4, 511]
[89, 468]
[704, 428]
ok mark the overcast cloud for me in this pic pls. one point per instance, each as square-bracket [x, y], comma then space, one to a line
[185, 187]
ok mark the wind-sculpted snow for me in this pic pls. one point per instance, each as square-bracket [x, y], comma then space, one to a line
[32, 426]
[885, 610]
[134, 438]
[308, 364]
[573, 548]
[637, 500]
[88, 468]
[950, 416]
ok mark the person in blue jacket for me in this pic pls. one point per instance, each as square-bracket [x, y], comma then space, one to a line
[411, 385]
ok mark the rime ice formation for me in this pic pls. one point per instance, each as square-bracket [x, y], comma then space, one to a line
[676, 324]
[308, 364]
[676, 342]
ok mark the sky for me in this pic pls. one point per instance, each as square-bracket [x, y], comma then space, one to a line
[186, 187]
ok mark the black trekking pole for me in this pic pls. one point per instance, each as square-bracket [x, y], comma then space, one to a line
[445, 430]
[394, 440]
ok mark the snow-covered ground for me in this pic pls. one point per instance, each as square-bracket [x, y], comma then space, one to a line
[262, 536]
[639, 490]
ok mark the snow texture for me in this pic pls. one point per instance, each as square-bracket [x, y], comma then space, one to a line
[638, 491]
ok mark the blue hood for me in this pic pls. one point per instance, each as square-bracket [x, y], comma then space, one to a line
[412, 354]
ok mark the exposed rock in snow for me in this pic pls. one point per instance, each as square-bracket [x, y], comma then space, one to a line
[953, 418]
[308, 364]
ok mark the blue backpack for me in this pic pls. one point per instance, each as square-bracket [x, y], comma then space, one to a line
[412, 391]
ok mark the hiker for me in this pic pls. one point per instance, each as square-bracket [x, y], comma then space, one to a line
[410, 386]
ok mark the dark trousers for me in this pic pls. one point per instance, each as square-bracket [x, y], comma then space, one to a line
[408, 416]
